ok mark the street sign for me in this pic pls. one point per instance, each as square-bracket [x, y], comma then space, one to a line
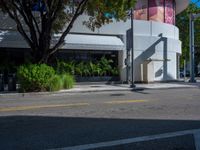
[129, 40]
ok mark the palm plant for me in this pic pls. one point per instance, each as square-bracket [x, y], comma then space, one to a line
[105, 65]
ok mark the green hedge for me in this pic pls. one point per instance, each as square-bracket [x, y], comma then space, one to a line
[35, 77]
[41, 77]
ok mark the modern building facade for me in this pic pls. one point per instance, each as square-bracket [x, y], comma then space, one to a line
[156, 41]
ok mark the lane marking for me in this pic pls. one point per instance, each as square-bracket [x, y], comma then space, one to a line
[125, 101]
[197, 140]
[130, 140]
[21, 108]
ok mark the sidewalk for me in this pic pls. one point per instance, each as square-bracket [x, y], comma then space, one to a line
[126, 87]
[103, 87]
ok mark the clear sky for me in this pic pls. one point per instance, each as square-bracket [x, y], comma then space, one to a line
[196, 1]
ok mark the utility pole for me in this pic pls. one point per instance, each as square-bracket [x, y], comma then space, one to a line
[132, 50]
[192, 50]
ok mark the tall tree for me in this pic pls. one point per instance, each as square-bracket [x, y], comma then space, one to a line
[43, 18]
[182, 21]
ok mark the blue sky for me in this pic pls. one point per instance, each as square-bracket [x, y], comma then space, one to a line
[196, 1]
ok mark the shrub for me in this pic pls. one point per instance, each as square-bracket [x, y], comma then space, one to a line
[68, 81]
[115, 71]
[79, 69]
[105, 65]
[55, 83]
[35, 77]
[65, 67]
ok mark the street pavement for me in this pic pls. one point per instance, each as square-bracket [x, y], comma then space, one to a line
[72, 119]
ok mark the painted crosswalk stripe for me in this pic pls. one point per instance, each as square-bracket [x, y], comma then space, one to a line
[131, 140]
[197, 140]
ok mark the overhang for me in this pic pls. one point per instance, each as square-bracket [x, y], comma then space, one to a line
[11, 39]
[93, 42]
[181, 5]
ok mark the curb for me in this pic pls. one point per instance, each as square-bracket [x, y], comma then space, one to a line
[92, 90]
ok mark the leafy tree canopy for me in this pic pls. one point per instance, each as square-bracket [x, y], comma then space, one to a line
[42, 18]
[182, 21]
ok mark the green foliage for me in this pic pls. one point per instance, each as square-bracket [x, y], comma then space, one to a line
[40, 77]
[35, 77]
[79, 69]
[68, 81]
[102, 67]
[182, 22]
[65, 67]
[115, 71]
[56, 16]
[115, 8]
[94, 69]
[105, 65]
[55, 83]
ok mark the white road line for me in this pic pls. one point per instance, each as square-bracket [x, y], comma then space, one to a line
[134, 140]
[197, 140]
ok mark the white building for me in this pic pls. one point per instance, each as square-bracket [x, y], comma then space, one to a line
[156, 40]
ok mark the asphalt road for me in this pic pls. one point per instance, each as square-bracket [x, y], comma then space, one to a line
[47, 122]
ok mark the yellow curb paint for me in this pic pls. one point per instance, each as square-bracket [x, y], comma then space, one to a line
[126, 101]
[21, 108]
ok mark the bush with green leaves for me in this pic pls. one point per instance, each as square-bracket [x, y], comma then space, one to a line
[103, 67]
[65, 67]
[68, 81]
[35, 77]
[55, 83]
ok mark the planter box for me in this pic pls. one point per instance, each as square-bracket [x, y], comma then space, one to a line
[96, 79]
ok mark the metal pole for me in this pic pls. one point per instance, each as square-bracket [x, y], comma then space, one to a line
[192, 64]
[132, 50]
[184, 70]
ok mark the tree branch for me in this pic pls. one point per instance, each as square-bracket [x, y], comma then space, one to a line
[13, 15]
[78, 12]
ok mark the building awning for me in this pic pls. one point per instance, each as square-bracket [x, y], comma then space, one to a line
[12, 39]
[93, 42]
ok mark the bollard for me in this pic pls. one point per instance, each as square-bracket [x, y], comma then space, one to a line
[1, 82]
[11, 82]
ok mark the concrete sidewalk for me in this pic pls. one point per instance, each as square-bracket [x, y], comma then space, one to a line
[103, 87]
[95, 87]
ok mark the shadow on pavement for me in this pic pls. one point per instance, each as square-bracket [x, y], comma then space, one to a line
[43, 132]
